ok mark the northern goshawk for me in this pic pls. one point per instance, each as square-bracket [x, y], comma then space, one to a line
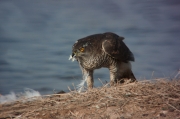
[104, 50]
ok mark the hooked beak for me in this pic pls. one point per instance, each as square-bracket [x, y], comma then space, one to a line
[73, 54]
[72, 57]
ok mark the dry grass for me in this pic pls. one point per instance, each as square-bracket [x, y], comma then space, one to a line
[153, 99]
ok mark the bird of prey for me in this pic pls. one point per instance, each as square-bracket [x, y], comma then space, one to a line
[104, 50]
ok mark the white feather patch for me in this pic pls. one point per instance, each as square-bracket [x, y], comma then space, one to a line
[72, 58]
[80, 86]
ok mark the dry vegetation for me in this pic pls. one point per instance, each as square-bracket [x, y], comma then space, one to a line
[153, 99]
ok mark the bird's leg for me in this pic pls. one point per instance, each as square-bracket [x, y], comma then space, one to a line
[112, 79]
[113, 71]
[89, 79]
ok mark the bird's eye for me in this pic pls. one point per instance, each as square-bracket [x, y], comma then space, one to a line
[82, 49]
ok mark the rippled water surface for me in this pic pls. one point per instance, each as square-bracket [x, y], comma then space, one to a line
[36, 39]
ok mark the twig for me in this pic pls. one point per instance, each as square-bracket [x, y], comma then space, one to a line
[101, 81]
[74, 86]
[103, 87]
[124, 104]
[69, 89]
[17, 117]
[177, 74]
[73, 114]
[152, 74]
[54, 90]
[173, 107]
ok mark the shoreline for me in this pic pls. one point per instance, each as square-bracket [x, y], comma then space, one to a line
[158, 98]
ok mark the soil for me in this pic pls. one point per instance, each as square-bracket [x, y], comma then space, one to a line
[155, 99]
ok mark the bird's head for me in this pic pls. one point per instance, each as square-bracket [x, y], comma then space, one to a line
[79, 51]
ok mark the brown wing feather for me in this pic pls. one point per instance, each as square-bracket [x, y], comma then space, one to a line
[116, 48]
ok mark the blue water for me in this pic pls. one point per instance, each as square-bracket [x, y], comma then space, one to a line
[36, 39]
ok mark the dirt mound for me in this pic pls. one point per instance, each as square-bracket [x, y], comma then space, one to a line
[155, 99]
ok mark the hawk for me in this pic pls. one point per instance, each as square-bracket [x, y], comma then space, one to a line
[104, 50]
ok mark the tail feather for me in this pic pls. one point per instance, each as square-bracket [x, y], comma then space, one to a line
[128, 76]
[132, 77]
